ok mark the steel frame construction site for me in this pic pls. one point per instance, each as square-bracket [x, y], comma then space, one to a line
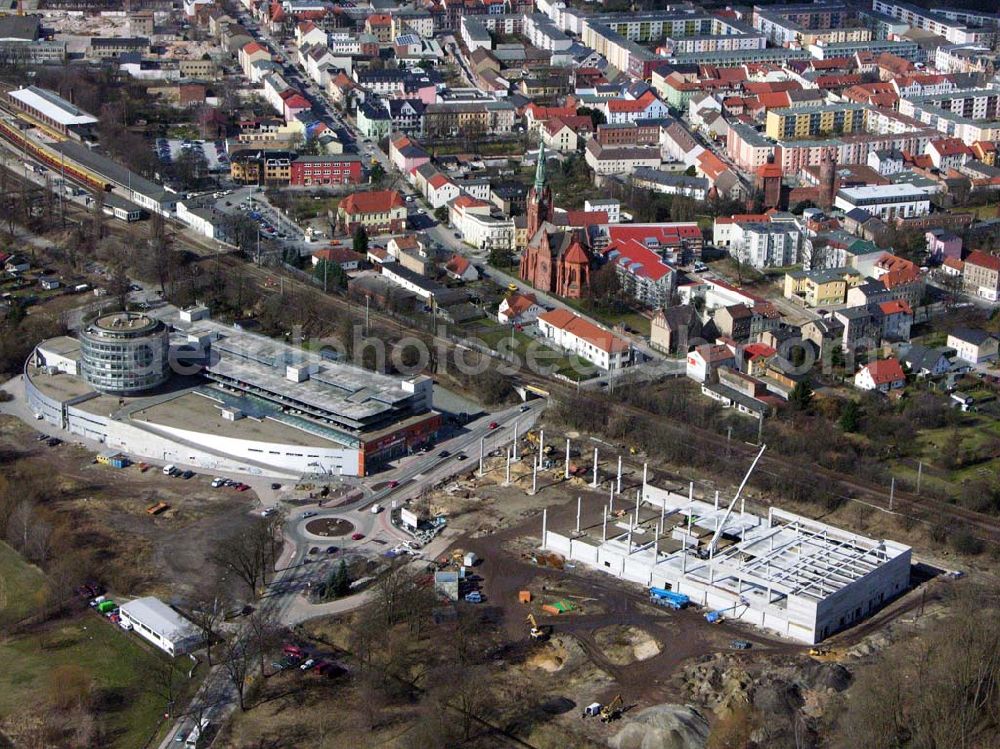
[784, 572]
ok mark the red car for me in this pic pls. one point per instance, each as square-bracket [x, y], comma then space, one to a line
[493, 425]
[392, 484]
[357, 536]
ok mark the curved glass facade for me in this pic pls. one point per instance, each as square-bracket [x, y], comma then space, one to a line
[124, 353]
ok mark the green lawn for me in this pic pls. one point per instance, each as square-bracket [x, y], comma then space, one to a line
[974, 433]
[307, 208]
[544, 356]
[981, 211]
[20, 585]
[632, 319]
[121, 664]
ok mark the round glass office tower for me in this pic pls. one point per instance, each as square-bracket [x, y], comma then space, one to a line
[124, 353]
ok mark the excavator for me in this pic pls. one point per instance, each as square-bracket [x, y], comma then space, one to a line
[613, 710]
[536, 632]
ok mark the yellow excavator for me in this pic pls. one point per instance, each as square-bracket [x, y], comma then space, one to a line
[536, 632]
[613, 710]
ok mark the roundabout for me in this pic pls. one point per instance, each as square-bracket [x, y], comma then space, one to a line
[330, 527]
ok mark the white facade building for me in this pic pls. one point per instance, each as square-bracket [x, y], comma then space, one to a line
[572, 333]
[885, 201]
[161, 625]
[770, 245]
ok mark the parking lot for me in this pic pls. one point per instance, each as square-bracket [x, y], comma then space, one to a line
[273, 224]
[211, 153]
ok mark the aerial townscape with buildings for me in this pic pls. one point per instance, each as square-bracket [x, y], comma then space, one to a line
[458, 374]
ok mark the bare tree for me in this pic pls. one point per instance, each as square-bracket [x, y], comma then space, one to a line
[265, 632]
[19, 524]
[237, 660]
[247, 553]
[207, 612]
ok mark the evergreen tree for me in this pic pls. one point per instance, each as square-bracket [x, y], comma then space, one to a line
[361, 241]
[341, 582]
[801, 395]
[850, 416]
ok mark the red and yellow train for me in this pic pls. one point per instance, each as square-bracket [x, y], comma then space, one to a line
[51, 158]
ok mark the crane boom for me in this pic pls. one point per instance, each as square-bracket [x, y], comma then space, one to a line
[729, 510]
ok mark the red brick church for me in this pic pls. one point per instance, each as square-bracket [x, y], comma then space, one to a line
[554, 260]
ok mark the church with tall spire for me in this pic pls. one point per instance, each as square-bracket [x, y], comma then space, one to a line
[554, 261]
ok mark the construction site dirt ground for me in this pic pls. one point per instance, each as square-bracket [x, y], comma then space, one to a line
[612, 640]
[105, 509]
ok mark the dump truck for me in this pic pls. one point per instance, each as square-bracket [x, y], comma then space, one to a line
[668, 598]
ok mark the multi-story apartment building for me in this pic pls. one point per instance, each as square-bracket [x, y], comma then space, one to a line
[981, 275]
[928, 20]
[805, 122]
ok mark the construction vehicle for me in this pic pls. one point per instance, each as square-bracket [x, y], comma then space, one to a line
[714, 617]
[613, 710]
[668, 598]
[536, 632]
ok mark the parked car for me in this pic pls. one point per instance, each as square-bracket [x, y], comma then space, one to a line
[357, 536]
[307, 664]
[187, 474]
[740, 644]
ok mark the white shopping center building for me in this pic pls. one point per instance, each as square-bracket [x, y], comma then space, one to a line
[223, 399]
[786, 573]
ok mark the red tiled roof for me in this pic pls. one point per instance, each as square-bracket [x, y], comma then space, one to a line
[583, 219]
[949, 146]
[438, 181]
[467, 201]
[638, 260]
[600, 338]
[378, 201]
[713, 353]
[754, 350]
[337, 255]
[458, 264]
[773, 99]
[297, 101]
[895, 307]
[518, 303]
[983, 260]
[885, 371]
[772, 87]
[253, 47]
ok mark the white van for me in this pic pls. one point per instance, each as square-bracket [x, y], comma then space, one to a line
[194, 738]
[168, 469]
